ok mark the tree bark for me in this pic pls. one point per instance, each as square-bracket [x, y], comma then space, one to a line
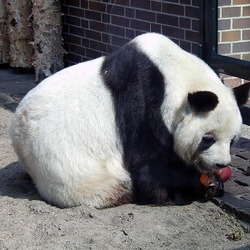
[4, 41]
[20, 33]
[47, 28]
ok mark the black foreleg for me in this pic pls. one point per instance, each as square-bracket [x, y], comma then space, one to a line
[156, 182]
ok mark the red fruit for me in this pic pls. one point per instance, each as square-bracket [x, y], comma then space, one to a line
[224, 173]
[205, 180]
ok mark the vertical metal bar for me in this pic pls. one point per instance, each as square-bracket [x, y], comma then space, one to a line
[214, 27]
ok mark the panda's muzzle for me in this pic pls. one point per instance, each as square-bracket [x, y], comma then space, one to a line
[202, 166]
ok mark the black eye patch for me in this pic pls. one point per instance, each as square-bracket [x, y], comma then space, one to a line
[206, 142]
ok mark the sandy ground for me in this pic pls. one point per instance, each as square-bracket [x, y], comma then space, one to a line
[27, 222]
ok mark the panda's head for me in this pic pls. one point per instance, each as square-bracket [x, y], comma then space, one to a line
[208, 124]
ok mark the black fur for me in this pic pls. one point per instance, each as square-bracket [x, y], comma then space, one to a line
[203, 101]
[137, 86]
[242, 93]
[206, 142]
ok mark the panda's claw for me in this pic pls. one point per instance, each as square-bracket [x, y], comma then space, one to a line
[211, 184]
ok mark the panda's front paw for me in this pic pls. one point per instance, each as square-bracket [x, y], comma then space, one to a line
[214, 187]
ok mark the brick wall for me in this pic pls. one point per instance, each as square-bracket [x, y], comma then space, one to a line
[234, 33]
[234, 28]
[93, 28]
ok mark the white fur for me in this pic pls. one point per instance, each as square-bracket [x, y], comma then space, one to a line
[65, 135]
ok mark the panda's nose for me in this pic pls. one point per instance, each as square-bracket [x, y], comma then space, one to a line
[221, 165]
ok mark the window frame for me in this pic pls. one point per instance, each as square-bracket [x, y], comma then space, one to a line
[220, 63]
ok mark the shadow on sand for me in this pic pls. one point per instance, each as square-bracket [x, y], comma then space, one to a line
[16, 183]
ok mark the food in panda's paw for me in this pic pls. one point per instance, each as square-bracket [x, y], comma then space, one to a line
[224, 173]
[205, 180]
[213, 185]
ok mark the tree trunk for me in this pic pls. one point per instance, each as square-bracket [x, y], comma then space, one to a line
[47, 29]
[4, 42]
[20, 33]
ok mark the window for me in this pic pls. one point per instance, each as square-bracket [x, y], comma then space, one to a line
[227, 36]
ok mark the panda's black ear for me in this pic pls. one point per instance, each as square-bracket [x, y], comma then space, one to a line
[203, 101]
[241, 93]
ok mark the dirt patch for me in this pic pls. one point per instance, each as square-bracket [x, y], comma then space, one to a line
[27, 222]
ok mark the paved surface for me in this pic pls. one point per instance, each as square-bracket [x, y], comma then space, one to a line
[237, 190]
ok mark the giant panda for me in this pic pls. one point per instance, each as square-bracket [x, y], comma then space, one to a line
[140, 125]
